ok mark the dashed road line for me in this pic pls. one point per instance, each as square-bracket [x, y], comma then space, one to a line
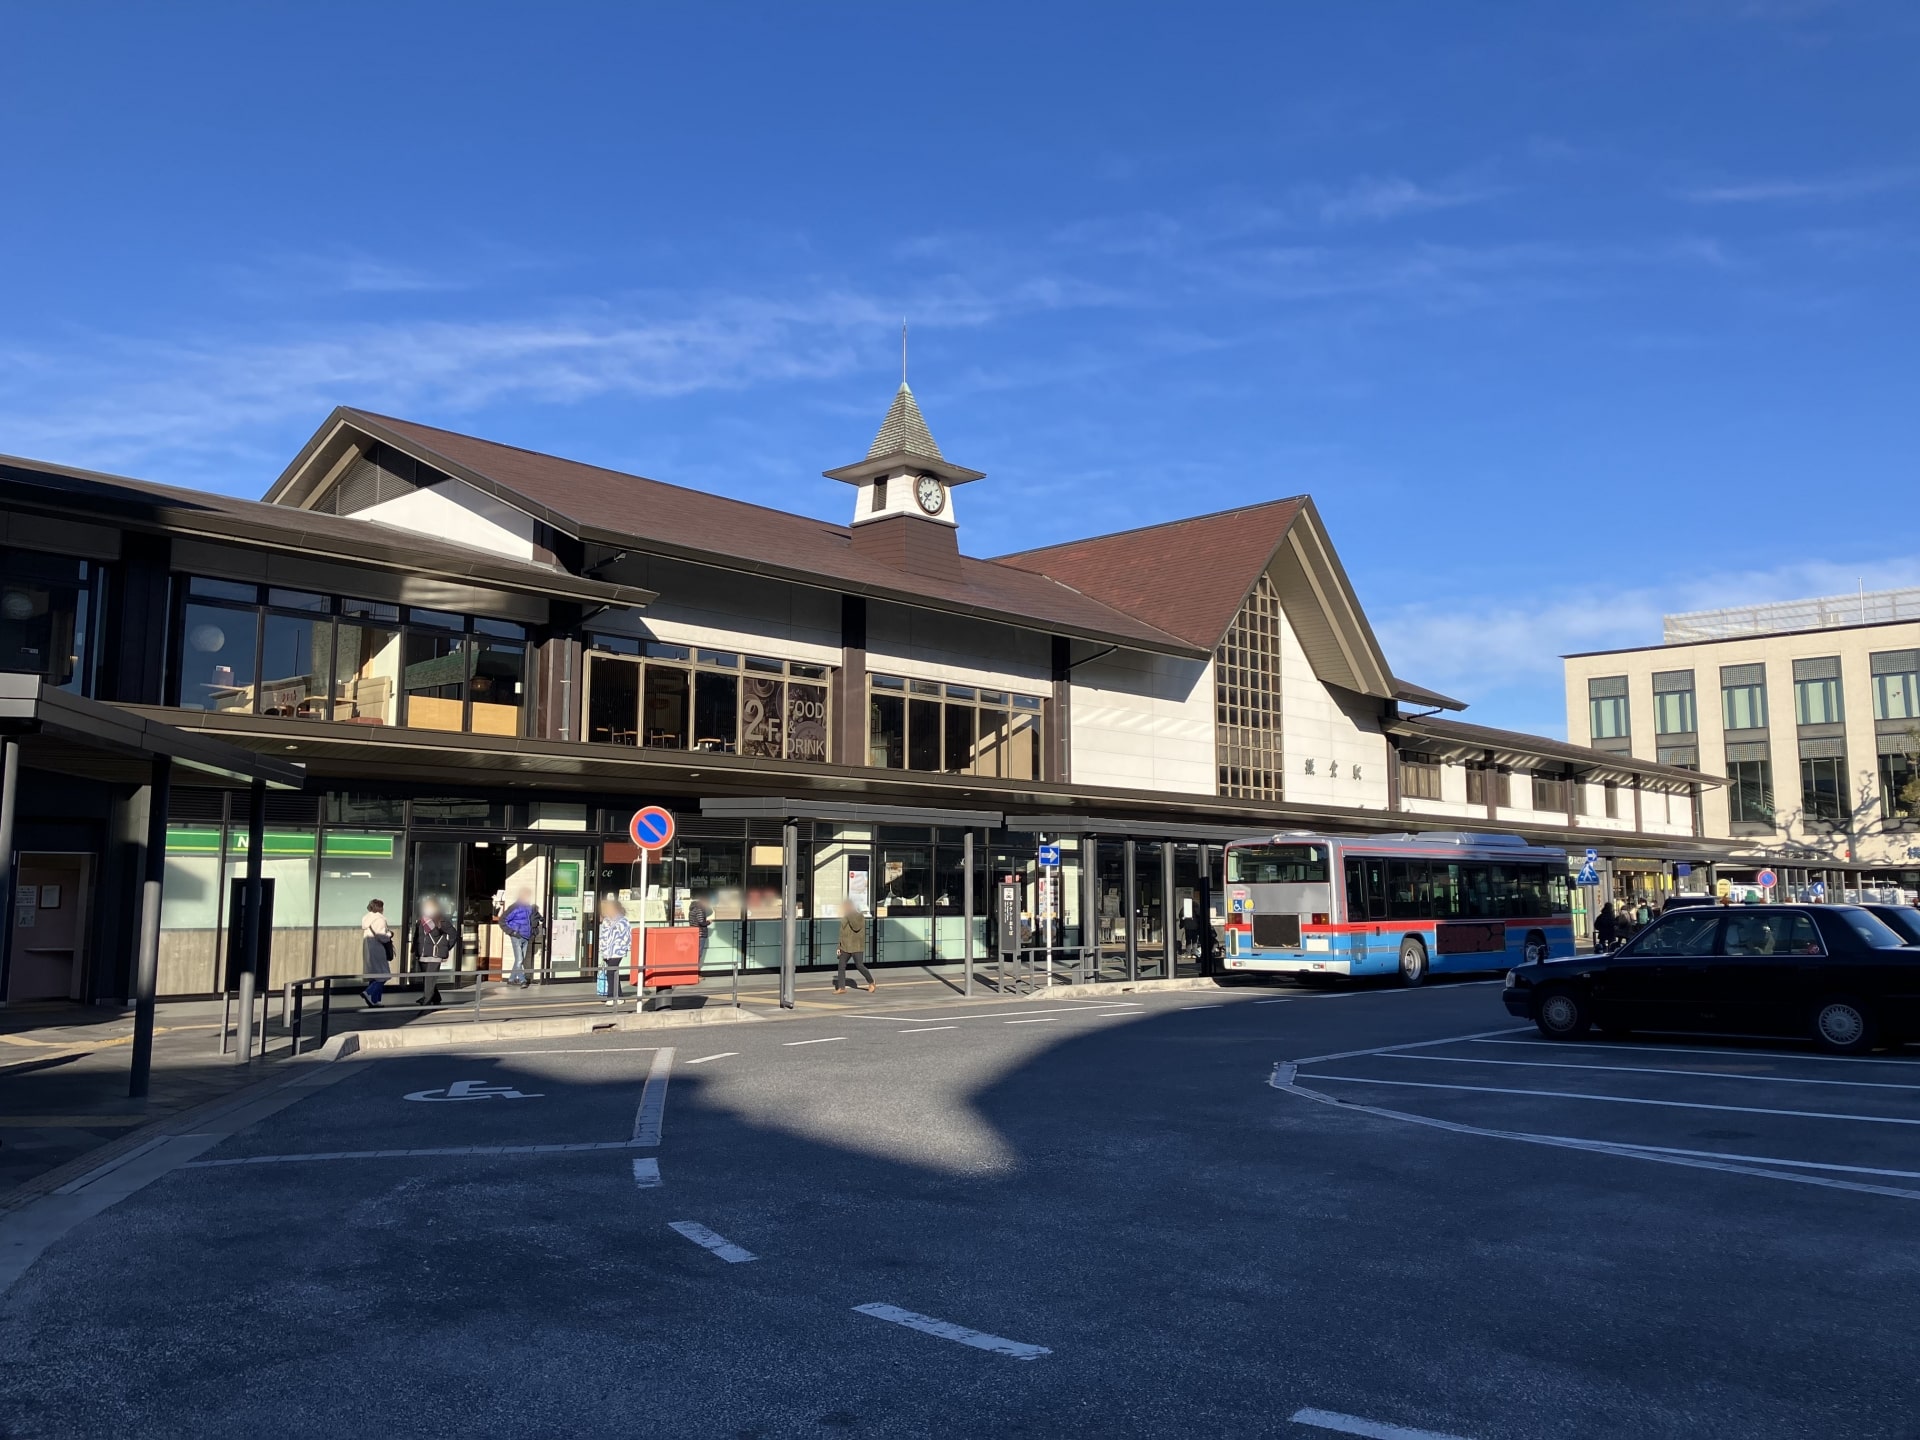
[303, 1157]
[924, 1029]
[706, 1239]
[1041, 1020]
[646, 1173]
[1625, 1100]
[960, 1334]
[652, 1113]
[723, 1055]
[1355, 1425]
[824, 1040]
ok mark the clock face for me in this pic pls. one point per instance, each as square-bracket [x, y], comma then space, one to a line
[931, 494]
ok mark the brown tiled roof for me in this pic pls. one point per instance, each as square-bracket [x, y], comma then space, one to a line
[1186, 577]
[609, 507]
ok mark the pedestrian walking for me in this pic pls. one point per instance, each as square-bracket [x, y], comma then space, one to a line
[1606, 929]
[435, 942]
[376, 950]
[520, 921]
[700, 916]
[616, 947]
[1644, 915]
[852, 946]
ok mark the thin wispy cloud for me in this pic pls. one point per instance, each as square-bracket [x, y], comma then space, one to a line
[1392, 197]
[1852, 185]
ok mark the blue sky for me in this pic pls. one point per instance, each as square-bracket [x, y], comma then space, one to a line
[1565, 315]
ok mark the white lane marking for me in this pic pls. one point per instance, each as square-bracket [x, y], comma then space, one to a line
[1708, 1052]
[653, 1098]
[1389, 1049]
[646, 1173]
[549, 1050]
[723, 1055]
[572, 1148]
[1043, 1020]
[1372, 1429]
[824, 1040]
[947, 1330]
[1625, 1100]
[718, 1244]
[1218, 1005]
[1284, 999]
[1657, 1070]
[922, 1030]
[1602, 1147]
[1096, 1008]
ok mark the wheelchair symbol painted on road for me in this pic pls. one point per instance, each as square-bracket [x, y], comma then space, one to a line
[471, 1090]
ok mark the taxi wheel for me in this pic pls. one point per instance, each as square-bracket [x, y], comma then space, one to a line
[1413, 961]
[1843, 1026]
[1562, 1015]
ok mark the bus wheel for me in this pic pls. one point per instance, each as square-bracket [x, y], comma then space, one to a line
[1413, 961]
[1534, 949]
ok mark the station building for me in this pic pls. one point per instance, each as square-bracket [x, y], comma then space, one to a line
[427, 664]
[1811, 711]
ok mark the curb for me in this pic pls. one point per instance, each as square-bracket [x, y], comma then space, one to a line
[1121, 987]
[427, 1037]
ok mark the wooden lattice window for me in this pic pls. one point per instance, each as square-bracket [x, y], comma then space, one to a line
[1246, 688]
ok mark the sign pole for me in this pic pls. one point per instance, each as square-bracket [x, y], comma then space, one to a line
[640, 980]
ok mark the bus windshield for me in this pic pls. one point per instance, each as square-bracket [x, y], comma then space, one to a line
[1277, 864]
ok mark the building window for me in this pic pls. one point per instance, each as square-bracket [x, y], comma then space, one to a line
[1750, 792]
[675, 697]
[952, 729]
[49, 607]
[1607, 708]
[1246, 692]
[1896, 685]
[1900, 787]
[1419, 777]
[1823, 788]
[1673, 712]
[1552, 792]
[1489, 785]
[1612, 792]
[1744, 705]
[253, 650]
[1816, 692]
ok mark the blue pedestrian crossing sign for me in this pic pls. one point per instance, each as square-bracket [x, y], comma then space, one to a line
[1050, 855]
[1588, 875]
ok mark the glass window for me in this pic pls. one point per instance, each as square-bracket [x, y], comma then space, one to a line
[376, 610]
[613, 701]
[765, 666]
[1817, 702]
[1875, 932]
[992, 738]
[716, 713]
[923, 687]
[806, 719]
[887, 731]
[719, 657]
[217, 657]
[1896, 696]
[1277, 864]
[295, 653]
[762, 714]
[923, 731]
[1419, 777]
[959, 744]
[299, 600]
[1608, 716]
[47, 614]
[438, 619]
[1021, 758]
[1673, 713]
[366, 673]
[1750, 792]
[1788, 934]
[1684, 932]
[1744, 707]
[505, 629]
[356, 868]
[666, 714]
[207, 589]
[436, 671]
[497, 684]
[1899, 787]
[1823, 788]
[614, 644]
[1408, 894]
[807, 672]
[660, 650]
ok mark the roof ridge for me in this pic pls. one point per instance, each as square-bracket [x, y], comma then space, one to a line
[1155, 525]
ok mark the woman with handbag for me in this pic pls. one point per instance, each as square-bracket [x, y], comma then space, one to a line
[376, 950]
[434, 943]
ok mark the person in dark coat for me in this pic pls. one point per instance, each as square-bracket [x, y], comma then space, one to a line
[376, 950]
[1606, 929]
[435, 943]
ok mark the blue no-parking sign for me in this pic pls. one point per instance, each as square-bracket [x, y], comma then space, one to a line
[1050, 855]
[651, 828]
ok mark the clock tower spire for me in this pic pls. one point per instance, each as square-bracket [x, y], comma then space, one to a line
[903, 505]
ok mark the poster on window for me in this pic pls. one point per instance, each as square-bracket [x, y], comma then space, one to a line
[760, 717]
[807, 722]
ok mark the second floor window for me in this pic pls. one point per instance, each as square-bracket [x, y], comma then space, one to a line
[1896, 685]
[1673, 712]
[952, 729]
[1419, 776]
[1607, 708]
[1816, 692]
[680, 697]
[1744, 707]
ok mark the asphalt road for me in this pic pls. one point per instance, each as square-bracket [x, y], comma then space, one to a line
[1093, 1218]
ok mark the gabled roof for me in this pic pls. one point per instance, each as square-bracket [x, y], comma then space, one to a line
[632, 513]
[1190, 578]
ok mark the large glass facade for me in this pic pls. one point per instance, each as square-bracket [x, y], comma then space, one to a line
[675, 697]
[1750, 792]
[1246, 697]
[953, 729]
[1823, 788]
[49, 607]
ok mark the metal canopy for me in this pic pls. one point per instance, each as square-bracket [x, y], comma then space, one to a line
[752, 808]
[72, 735]
[1142, 829]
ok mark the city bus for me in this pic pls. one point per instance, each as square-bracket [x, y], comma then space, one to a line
[1433, 903]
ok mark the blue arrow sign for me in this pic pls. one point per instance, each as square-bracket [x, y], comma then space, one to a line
[1050, 855]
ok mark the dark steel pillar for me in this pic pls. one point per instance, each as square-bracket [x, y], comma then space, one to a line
[146, 960]
[789, 906]
[1169, 922]
[966, 907]
[1129, 886]
[1090, 904]
[250, 942]
[9, 794]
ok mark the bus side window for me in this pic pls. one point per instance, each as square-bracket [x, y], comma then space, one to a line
[1446, 891]
[1376, 888]
[1412, 900]
[1356, 890]
[1479, 896]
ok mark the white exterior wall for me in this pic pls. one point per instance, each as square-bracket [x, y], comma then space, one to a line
[725, 611]
[1339, 732]
[454, 510]
[924, 645]
[1144, 722]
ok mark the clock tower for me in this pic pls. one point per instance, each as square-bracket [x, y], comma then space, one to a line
[903, 502]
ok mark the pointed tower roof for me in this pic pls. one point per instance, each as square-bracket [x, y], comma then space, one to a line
[904, 443]
[904, 431]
